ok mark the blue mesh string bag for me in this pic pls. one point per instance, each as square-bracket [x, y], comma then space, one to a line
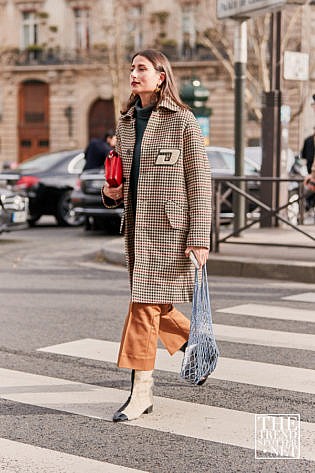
[201, 354]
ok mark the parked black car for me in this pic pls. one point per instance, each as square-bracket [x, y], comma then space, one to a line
[47, 180]
[87, 202]
[13, 210]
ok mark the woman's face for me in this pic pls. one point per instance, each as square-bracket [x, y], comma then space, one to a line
[143, 77]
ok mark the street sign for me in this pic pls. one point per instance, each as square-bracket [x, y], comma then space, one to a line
[245, 8]
[295, 66]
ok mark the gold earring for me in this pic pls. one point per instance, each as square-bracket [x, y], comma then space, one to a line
[157, 88]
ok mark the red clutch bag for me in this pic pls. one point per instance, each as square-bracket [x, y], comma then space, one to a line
[113, 169]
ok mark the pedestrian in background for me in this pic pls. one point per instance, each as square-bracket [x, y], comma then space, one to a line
[166, 193]
[309, 183]
[308, 150]
[98, 149]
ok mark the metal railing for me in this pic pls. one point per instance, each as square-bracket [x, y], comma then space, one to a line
[223, 196]
[59, 56]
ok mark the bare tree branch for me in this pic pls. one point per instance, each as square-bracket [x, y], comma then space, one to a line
[205, 41]
[288, 31]
[258, 73]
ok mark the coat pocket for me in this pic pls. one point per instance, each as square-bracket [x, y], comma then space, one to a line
[177, 215]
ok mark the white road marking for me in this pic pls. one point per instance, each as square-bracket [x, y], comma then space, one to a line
[270, 338]
[271, 312]
[228, 369]
[19, 457]
[215, 424]
[304, 297]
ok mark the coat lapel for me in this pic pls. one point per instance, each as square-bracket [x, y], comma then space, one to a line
[129, 140]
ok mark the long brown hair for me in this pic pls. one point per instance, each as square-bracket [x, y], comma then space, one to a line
[168, 87]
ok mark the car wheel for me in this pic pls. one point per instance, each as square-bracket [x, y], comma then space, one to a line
[109, 225]
[33, 220]
[87, 224]
[294, 208]
[65, 214]
[113, 226]
[97, 223]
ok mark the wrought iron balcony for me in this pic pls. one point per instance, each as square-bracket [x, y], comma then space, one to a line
[55, 56]
[37, 55]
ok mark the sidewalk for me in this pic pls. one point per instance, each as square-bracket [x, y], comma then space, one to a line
[251, 255]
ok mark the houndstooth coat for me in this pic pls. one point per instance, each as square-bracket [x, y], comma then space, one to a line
[173, 203]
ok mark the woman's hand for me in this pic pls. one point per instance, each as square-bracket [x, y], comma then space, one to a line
[200, 253]
[114, 193]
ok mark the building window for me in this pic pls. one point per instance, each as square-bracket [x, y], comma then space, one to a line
[188, 30]
[82, 28]
[29, 29]
[135, 34]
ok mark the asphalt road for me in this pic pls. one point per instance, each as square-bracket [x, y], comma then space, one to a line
[54, 291]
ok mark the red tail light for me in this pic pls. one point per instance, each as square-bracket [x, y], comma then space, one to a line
[25, 182]
[77, 185]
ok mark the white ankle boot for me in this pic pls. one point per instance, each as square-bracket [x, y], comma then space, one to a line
[141, 399]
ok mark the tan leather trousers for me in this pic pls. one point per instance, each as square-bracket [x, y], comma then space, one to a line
[144, 324]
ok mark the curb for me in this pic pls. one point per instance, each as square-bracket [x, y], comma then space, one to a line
[241, 267]
[267, 269]
[113, 257]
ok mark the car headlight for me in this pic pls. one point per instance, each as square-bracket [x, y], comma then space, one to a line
[95, 184]
[18, 202]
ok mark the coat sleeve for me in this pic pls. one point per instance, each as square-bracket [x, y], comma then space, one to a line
[107, 202]
[198, 184]
[118, 139]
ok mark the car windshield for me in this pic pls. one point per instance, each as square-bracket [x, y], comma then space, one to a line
[217, 161]
[223, 161]
[254, 155]
[44, 161]
[76, 165]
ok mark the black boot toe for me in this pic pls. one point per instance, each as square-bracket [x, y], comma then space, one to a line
[202, 381]
[183, 348]
[119, 417]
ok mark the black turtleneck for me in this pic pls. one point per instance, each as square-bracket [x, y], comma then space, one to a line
[142, 116]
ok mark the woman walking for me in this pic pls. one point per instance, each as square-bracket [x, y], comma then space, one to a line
[166, 193]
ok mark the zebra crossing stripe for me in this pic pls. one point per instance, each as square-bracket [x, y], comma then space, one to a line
[271, 338]
[215, 424]
[21, 457]
[228, 369]
[304, 297]
[271, 312]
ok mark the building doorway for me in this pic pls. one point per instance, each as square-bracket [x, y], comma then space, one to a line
[33, 128]
[101, 118]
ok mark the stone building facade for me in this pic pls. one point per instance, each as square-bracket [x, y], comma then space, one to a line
[56, 75]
